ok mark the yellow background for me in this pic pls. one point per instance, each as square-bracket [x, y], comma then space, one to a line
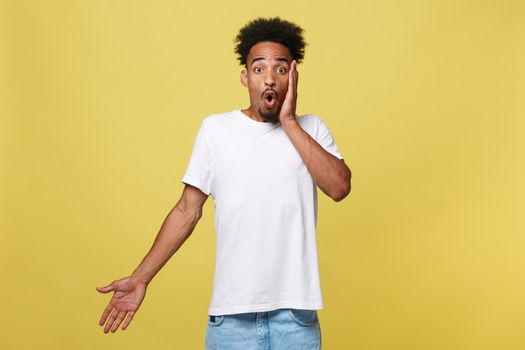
[100, 103]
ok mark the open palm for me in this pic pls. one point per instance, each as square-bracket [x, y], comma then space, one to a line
[129, 294]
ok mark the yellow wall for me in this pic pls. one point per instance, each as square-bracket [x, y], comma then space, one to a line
[100, 104]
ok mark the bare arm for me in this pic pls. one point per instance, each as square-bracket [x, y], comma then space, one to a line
[330, 173]
[130, 291]
[176, 228]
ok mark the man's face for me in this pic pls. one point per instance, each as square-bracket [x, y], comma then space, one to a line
[266, 77]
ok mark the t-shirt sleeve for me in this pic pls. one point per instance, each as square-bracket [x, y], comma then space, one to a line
[198, 173]
[325, 139]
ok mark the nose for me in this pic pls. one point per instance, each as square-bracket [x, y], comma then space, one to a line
[269, 79]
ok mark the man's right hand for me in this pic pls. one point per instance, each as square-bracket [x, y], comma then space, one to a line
[129, 294]
[130, 291]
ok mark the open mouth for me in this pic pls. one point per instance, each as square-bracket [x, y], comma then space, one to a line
[270, 99]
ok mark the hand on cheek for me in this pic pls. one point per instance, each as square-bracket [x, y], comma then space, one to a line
[290, 100]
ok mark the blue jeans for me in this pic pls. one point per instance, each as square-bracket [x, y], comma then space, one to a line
[282, 329]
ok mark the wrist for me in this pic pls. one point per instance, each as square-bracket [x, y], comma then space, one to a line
[290, 121]
[140, 278]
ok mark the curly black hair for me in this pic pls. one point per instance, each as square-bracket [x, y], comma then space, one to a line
[270, 29]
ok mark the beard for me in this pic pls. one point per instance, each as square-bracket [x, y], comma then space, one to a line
[269, 116]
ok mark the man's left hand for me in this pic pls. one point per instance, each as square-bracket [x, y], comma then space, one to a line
[287, 113]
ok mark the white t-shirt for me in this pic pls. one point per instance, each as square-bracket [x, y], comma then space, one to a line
[265, 212]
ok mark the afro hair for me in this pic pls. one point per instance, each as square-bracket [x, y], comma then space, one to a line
[270, 29]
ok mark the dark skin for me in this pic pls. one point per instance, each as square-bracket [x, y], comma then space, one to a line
[270, 67]
[129, 292]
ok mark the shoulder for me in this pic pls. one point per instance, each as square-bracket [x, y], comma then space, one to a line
[218, 119]
[213, 122]
[308, 117]
[310, 123]
[218, 125]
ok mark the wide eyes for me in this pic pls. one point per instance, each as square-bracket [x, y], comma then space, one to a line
[280, 69]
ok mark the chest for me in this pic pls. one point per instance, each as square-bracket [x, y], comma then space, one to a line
[261, 160]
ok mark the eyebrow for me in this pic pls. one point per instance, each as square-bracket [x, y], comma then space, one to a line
[283, 59]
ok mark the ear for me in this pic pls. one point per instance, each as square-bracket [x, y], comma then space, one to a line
[244, 78]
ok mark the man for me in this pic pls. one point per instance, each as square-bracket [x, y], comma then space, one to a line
[261, 165]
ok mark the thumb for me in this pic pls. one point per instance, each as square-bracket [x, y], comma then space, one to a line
[106, 289]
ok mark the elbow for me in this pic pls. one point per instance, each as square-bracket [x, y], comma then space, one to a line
[342, 193]
[345, 187]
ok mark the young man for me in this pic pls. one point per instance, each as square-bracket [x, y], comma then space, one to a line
[261, 165]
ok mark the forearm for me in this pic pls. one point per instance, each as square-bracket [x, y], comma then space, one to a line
[330, 174]
[176, 228]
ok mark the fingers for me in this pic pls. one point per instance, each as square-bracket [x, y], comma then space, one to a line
[118, 321]
[105, 314]
[296, 80]
[111, 319]
[107, 288]
[292, 87]
[293, 78]
[291, 83]
[113, 316]
[128, 319]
